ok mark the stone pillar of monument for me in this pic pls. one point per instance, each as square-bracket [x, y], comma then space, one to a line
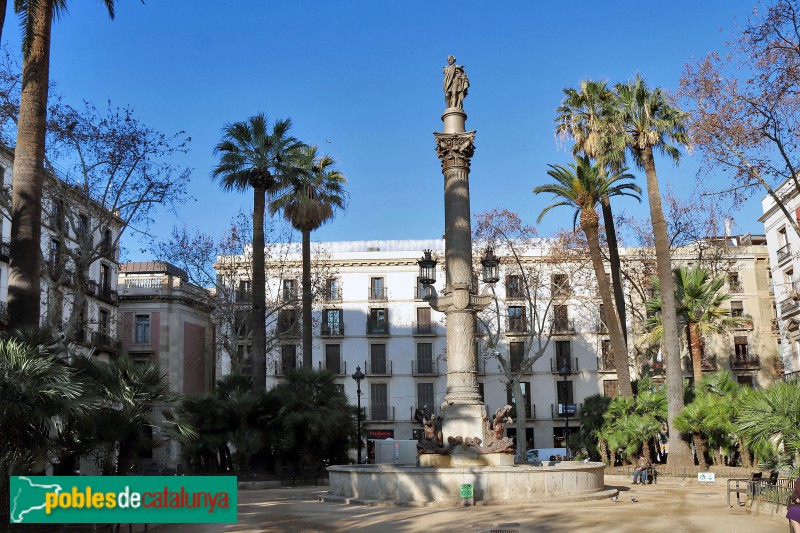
[462, 410]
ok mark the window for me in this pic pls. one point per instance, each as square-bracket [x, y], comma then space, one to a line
[425, 395]
[243, 361]
[564, 392]
[559, 285]
[733, 282]
[242, 323]
[287, 321]
[747, 381]
[377, 289]
[516, 319]
[421, 290]
[602, 327]
[740, 348]
[289, 290]
[516, 352]
[245, 291]
[55, 254]
[424, 325]
[58, 214]
[105, 278]
[526, 398]
[332, 291]
[142, 331]
[514, 286]
[480, 392]
[424, 362]
[333, 358]
[103, 322]
[607, 356]
[82, 229]
[563, 355]
[288, 357]
[379, 401]
[377, 358]
[378, 321]
[610, 388]
[737, 309]
[332, 322]
[561, 318]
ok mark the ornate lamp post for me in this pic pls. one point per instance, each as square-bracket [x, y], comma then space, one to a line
[427, 268]
[565, 372]
[490, 263]
[358, 375]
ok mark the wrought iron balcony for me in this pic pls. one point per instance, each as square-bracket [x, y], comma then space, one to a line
[792, 377]
[377, 327]
[332, 295]
[380, 412]
[784, 253]
[244, 296]
[288, 330]
[332, 330]
[289, 295]
[108, 294]
[282, 367]
[606, 364]
[746, 325]
[745, 362]
[516, 326]
[564, 326]
[338, 367]
[377, 294]
[423, 367]
[561, 410]
[104, 342]
[424, 328]
[557, 363]
[789, 306]
[514, 294]
[109, 251]
[735, 287]
[707, 363]
[378, 368]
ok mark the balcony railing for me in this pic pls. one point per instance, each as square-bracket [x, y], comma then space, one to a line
[707, 364]
[108, 294]
[514, 294]
[791, 377]
[788, 306]
[375, 327]
[337, 367]
[735, 287]
[332, 295]
[289, 295]
[378, 368]
[106, 342]
[424, 328]
[784, 252]
[423, 367]
[109, 251]
[557, 363]
[377, 294]
[606, 364]
[516, 326]
[747, 324]
[332, 330]
[380, 412]
[564, 326]
[745, 362]
[244, 296]
[288, 330]
[282, 367]
[423, 293]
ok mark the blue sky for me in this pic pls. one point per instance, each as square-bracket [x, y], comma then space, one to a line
[363, 81]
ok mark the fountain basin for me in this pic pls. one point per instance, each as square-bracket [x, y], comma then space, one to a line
[422, 486]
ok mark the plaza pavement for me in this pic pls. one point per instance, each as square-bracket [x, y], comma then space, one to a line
[665, 507]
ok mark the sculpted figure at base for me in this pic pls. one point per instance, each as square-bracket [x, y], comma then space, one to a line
[432, 440]
[456, 83]
[494, 434]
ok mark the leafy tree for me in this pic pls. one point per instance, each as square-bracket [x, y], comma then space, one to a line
[314, 418]
[643, 122]
[26, 201]
[308, 198]
[254, 156]
[580, 186]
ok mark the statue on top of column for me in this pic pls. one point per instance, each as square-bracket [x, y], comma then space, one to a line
[456, 83]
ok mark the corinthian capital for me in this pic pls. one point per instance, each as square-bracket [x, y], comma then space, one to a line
[455, 149]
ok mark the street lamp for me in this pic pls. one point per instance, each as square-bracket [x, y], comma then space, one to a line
[427, 268]
[491, 271]
[358, 375]
[565, 372]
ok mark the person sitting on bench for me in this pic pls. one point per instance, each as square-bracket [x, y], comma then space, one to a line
[640, 472]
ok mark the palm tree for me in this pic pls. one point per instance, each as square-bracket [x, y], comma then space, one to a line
[700, 311]
[26, 194]
[314, 419]
[692, 419]
[253, 157]
[582, 115]
[308, 199]
[581, 186]
[642, 122]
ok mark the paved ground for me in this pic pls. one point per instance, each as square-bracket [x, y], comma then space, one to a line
[665, 507]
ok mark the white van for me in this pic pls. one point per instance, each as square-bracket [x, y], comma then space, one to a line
[536, 455]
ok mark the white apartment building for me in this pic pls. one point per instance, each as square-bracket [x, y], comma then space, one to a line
[784, 253]
[66, 215]
[373, 314]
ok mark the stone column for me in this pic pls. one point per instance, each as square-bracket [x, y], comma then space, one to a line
[463, 410]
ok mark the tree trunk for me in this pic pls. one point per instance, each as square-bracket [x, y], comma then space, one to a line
[699, 449]
[615, 264]
[604, 454]
[694, 338]
[308, 360]
[646, 448]
[3, 5]
[589, 225]
[26, 197]
[519, 406]
[259, 371]
[744, 452]
[680, 454]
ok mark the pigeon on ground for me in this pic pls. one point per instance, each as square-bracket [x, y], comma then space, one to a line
[633, 499]
[614, 499]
